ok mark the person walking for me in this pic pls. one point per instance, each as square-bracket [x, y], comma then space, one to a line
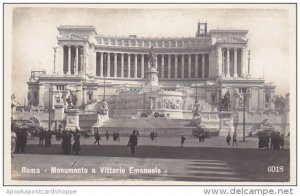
[234, 139]
[117, 137]
[228, 139]
[41, 137]
[76, 145]
[13, 143]
[281, 141]
[132, 143]
[48, 136]
[182, 140]
[97, 138]
[107, 135]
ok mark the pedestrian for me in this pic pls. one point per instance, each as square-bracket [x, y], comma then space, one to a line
[228, 139]
[76, 145]
[281, 141]
[276, 141]
[48, 136]
[97, 138]
[66, 142]
[117, 136]
[260, 141]
[132, 143]
[182, 140]
[41, 137]
[21, 140]
[152, 135]
[200, 137]
[234, 139]
[13, 143]
[107, 135]
[114, 136]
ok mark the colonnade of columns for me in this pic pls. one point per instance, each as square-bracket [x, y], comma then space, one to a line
[230, 61]
[126, 65]
[72, 57]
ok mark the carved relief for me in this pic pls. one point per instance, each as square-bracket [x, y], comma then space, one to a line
[72, 37]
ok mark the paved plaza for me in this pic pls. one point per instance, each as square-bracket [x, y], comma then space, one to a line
[196, 162]
[215, 142]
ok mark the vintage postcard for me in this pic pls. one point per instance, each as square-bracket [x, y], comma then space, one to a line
[157, 94]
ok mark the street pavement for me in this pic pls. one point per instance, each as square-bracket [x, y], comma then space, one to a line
[171, 169]
[212, 161]
[214, 142]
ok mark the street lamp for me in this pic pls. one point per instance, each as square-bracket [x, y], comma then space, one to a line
[244, 95]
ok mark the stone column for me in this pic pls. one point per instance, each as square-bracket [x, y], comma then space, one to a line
[60, 59]
[108, 65]
[101, 64]
[227, 62]
[129, 62]
[115, 64]
[162, 66]
[93, 65]
[143, 64]
[176, 65]
[86, 58]
[235, 63]
[69, 60]
[196, 65]
[182, 66]
[76, 62]
[243, 61]
[84, 96]
[41, 95]
[135, 65]
[122, 65]
[190, 66]
[203, 65]
[169, 65]
[219, 60]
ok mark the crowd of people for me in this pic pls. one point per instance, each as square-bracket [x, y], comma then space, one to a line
[234, 139]
[270, 140]
[266, 140]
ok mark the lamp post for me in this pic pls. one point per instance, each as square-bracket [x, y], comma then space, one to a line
[245, 95]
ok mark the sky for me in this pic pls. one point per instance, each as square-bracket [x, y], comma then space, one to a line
[271, 33]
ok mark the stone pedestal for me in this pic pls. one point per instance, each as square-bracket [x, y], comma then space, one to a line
[59, 112]
[72, 119]
[226, 123]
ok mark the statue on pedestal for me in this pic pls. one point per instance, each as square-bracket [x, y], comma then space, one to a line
[225, 102]
[71, 100]
[103, 109]
[152, 58]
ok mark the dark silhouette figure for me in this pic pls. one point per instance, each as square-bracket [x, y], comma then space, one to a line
[97, 138]
[66, 142]
[234, 139]
[228, 139]
[76, 145]
[182, 140]
[48, 136]
[107, 135]
[41, 137]
[132, 143]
